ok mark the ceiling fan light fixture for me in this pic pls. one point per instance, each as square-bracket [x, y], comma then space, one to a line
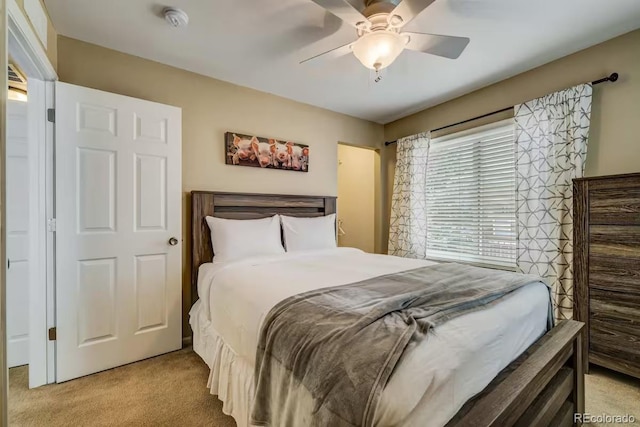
[378, 49]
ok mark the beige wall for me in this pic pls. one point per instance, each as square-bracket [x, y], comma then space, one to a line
[614, 141]
[357, 178]
[52, 36]
[209, 108]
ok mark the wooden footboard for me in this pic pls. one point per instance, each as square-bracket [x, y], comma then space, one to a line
[543, 387]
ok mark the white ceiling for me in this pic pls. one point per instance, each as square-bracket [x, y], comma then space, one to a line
[259, 44]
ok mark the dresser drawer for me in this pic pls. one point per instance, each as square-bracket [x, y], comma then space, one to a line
[612, 306]
[614, 330]
[615, 240]
[621, 274]
[612, 358]
[614, 206]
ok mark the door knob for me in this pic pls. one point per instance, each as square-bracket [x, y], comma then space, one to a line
[173, 241]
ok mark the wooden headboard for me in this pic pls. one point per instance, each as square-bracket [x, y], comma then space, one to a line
[243, 206]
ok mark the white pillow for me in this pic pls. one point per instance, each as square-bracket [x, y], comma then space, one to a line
[302, 234]
[234, 239]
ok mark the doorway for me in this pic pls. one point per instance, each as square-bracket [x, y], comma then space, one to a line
[17, 199]
[28, 350]
[357, 181]
[28, 183]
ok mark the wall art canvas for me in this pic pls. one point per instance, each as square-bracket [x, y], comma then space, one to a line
[259, 152]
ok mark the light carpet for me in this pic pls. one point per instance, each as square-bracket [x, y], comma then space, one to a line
[168, 390]
[611, 393]
[171, 390]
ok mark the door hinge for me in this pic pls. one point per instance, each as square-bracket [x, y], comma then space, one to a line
[51, 115]
[51, 225]
[53, 334]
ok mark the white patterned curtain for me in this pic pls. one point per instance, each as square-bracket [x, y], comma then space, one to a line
[408, 225]
[551, 149]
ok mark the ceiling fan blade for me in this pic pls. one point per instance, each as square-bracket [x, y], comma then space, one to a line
[446, 46]
[343, 10]
[409, 9]
[331, 54]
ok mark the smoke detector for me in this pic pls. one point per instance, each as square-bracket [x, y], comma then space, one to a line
[175, 17]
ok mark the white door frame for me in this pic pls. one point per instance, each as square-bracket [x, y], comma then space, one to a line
[26, 50]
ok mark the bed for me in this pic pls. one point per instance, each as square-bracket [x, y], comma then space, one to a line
[481, 372]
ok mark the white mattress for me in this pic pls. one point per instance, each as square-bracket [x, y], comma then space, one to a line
[432, 380]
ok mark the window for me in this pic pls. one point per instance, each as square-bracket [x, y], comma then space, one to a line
[471, 197]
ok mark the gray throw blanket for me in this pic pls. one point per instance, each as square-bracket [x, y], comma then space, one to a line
[324, 356]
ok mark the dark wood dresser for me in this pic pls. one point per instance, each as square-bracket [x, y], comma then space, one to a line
[607, 270]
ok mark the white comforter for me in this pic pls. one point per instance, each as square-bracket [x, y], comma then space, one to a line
[433, 379]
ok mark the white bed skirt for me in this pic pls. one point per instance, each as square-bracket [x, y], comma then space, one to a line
[231, 376]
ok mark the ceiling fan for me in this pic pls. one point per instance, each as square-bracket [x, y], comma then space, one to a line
[380, 39]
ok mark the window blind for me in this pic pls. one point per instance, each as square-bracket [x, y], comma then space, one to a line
[471, 200]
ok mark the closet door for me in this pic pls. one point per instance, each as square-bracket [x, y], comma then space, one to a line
[118, 238]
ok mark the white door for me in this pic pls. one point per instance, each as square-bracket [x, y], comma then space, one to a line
[17, 234]
[118, 231]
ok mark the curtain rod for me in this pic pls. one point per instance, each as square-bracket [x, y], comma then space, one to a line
[611, 78]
